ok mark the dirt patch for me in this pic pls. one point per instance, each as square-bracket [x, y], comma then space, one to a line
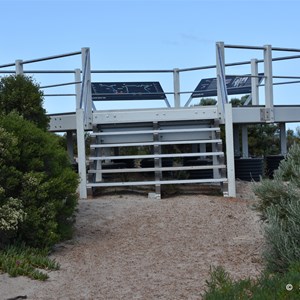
[131, 247]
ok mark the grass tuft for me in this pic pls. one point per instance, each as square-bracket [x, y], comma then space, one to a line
[26, 261]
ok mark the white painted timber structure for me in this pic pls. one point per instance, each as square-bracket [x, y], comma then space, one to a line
[162, 130]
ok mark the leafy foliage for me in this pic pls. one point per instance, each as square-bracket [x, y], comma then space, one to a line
[207, 101]
[21, 94]
[283, 237]
[11, 213]
[279, 207]
[37, 185]
[239, 101]
[264, 139]
[36, 170]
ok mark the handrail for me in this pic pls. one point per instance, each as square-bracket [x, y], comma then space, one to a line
[283, 82]
[56, 95]
[7, 65]
[86, 68]
[83, 80]
[50, 57]
[244, 47]
[285, 49]
[142, 71]
[261, 48]
[59, 84]
[130, 71]
[287, 77]
[41, 71]
[42, 59]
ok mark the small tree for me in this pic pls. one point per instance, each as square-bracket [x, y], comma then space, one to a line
[264, 139]
[35, 170]
[22, 94]
[37, 184]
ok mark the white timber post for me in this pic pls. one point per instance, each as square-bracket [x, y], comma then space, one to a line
[80, 137]
[157, 160]
[19, 66]
[245, 146]
[269, 114]
[215, 158]
[176, 82]
[70, 147]
[236, 140]
[77, 87]
[81, 153]
[283, 141]
[221, 79]
[86, 93]
[229, 151]
[254, 82]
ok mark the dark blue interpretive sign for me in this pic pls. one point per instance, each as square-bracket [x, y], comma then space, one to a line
[112, 91]
[234, 84]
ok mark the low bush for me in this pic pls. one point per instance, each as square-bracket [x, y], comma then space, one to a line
[267, 287]
[279, 208]
[37, 185]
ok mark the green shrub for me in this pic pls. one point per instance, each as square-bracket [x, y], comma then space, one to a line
[289, 169]
[267, 287]
[282, 233]
[21, 94]
[207, 101]
[279, 207]
[36, 170]
[221, 286]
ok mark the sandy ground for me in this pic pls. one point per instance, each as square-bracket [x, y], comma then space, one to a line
[131, 247]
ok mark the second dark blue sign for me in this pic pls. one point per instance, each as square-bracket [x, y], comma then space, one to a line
[235, 85]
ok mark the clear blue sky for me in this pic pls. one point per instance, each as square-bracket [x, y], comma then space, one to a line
[157, 34]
